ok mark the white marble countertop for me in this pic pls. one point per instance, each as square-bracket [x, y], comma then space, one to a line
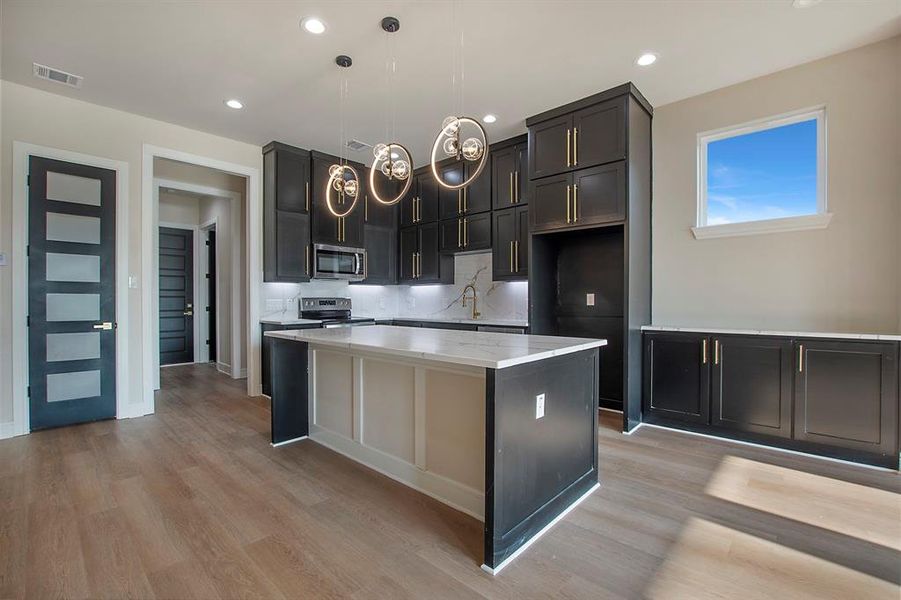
[475, 348]
[888, 337]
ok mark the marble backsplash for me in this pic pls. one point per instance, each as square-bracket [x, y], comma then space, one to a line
[496, 299]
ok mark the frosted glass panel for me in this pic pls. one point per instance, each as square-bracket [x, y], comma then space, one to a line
[73, 307]
[73, 228]
[71, 386]
[73, 267]
[71, 188]
[73, 346]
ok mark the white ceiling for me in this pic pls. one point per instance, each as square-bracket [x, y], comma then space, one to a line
[178, 61]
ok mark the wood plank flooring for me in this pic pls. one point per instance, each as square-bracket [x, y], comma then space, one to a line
[192, 502]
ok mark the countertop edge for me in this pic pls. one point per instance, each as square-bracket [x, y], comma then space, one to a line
[885, 337]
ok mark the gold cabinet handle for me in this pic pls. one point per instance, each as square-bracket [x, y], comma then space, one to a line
[465, 233]
[459, 201]
[366, 265]
[413, 264]
[575, 146]
[568, 142]
[511, 256]
[568, 217]
[306, 261]
[704, 351]
[459, 233]
[801, 358]
[366, 208]
[575, 203]
[516, 247]
[307, 192]
[418, 265]
[716, 352]
[465, 198]
[516, 185]
[511, 187]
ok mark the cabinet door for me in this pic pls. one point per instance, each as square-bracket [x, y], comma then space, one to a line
[374, 212]
[292, 181]
[477, 195]
[550, 204]
[428, 197]
[503, 170]
[846, 394]
[352, 230]
[599, 134]
[599, 194]
[381, 255]
[325, 224]
[521, 264]
[550, 147]
[677, 377]
[450, 201]
[292, 247]
[451, 234]
[502, 259]
[407, 204]
[521, 175]
[409, 246]
[752, 384]
[477, 232]
[429, 251]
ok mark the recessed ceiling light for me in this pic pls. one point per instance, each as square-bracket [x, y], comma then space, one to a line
[489, 118]
[805, 3]
[646, 59]
[236, 104]
[313, 25]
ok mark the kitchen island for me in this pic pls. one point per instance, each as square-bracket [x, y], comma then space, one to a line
[500, 426]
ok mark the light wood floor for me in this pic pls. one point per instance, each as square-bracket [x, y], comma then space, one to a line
[193, 502]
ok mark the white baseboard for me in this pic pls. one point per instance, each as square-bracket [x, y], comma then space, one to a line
[7, 430]
[544, 530]
[224, 368]
[242, 374]
[456, 495]
[291, 441]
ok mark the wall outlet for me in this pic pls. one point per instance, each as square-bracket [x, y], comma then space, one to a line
[3, 262]
[539, 406]
[589, 299]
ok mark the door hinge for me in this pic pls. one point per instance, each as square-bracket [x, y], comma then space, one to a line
[208, 342]
[207, 275]
[208, 242]
[27, 250]
[28, 180]
[208, 309]
[29, 391]
[28, 321]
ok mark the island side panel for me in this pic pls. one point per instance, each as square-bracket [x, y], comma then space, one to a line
[289, 362]
[536, 468]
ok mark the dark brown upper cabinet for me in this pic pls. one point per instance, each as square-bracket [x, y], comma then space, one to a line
[752, 384]
[466, 234]
[421, 260]
[592, 196]
[846, 395]
[420, 205]
[584, 138]
[327, 228]
[510, 252]
[509, 176]
[286, 220]
[472, 199]
[380, 263]
[376, 213]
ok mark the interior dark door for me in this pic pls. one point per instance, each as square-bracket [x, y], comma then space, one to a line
[176, 296]
[677, 382]
[846, 394]
[71, 293]
[599, 194]
[211, 292]
[752, 384]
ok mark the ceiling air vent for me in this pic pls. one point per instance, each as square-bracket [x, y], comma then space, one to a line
[51, 74]
[357, 145]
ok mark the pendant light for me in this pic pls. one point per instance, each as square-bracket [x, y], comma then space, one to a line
[343, 179]
[392, 159]
[452, 140]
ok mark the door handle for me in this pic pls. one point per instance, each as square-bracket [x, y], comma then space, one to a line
[511, 256]
[188, 313]
[516, 247]
[568, 218]
[716, 352]
[575, 146]
[568, 146]
[459, 233]
[465, 200]
[575, 203]
[801, 358]
[106, 326]
[511, 187]
[307, 192]
[306, 261]
[704, 351]
[516, 186]
[465, 233]
[459, 201]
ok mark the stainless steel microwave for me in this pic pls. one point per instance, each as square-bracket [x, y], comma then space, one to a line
[337, 262]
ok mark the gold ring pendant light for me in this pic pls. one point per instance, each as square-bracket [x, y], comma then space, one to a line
[338, 181]
[451, 140]
[393, 160]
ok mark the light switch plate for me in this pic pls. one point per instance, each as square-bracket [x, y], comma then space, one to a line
[589, 299]
[132, 282]
[2, 259]
[539, 406]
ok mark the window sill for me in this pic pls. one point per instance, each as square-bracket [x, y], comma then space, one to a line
[820, 221]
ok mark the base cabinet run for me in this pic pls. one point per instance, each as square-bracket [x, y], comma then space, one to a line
[831, 397]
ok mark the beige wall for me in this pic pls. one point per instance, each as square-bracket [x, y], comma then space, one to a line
[844, 278]
[38, 117]
[179, 209]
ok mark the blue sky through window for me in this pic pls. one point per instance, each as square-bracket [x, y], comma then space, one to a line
[766, 174]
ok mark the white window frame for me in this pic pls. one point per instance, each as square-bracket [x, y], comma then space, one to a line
[820, 220]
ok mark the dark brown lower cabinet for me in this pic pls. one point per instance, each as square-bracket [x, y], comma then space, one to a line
[846, 394]
[677, 377]
[838, 398]
[752, 384]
